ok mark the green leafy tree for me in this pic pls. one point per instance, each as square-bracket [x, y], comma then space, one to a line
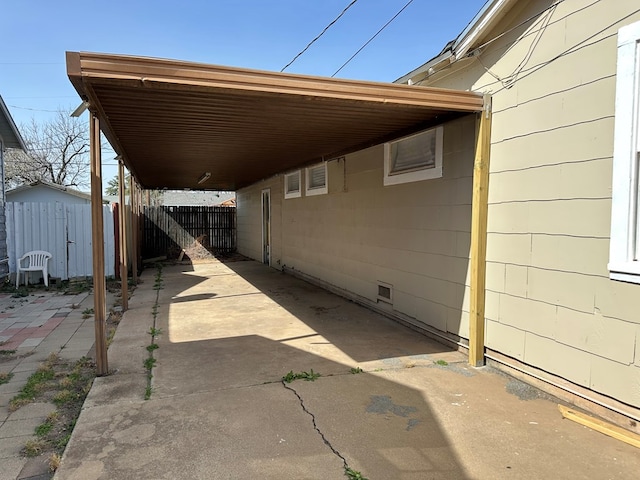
[113, 184]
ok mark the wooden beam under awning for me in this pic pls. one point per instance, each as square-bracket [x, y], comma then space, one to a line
[478, 255]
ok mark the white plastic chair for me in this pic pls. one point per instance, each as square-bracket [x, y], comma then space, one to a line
[36, 261]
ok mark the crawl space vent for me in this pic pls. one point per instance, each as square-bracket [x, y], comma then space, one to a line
[385, 292]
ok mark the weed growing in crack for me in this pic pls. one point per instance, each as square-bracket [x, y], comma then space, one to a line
[5, 377]
[157, 285]
[352, 474]
[356, 370]
[442, 363]
[155, 332]
[150, 361]
[310, 376]
[36, 383]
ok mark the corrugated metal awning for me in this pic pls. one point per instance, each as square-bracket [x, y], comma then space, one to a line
[171, 121]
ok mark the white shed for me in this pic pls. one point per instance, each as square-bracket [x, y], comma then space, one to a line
[45, 192]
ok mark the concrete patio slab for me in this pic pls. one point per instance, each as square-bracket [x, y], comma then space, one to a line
[220, 410]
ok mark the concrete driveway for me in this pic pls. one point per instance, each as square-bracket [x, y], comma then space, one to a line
[220, 411]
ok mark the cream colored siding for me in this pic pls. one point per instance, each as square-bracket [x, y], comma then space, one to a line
[550, 194]
[414, 236]
[249, 219]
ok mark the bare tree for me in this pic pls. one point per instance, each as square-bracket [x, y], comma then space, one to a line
[57, 152]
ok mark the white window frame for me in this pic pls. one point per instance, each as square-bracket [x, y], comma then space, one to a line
[419, 174]
[624, 261]
[293, 193]
[316, 190]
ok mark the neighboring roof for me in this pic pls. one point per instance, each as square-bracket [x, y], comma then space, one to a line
[9, 133]
[491, 13]
[53, 186]
[195, 198]
[174, 121]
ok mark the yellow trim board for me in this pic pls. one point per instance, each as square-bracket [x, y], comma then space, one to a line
[600, 426]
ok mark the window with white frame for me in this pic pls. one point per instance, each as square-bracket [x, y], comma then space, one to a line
[414, 158]
[624, 255]
[316, 177]
[292, 185]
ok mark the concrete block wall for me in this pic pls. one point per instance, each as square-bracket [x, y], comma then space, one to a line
[550, 302]
[413, 236]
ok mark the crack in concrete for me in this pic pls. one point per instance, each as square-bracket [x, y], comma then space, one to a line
[315, 426]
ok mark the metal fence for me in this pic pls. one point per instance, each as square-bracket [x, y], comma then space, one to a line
[64, 230]
[167, 230]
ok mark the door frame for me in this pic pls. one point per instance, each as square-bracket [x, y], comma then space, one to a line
[265, 217]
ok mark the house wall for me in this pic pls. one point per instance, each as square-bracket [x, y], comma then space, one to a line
[550, 302]
[44, 194]
[4, 266]
[413, 236]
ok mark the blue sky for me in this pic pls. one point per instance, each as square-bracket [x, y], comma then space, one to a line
[256, 34]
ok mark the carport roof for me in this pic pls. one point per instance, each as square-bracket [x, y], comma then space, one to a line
[172, 121]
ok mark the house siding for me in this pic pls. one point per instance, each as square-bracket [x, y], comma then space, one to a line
[413, 236]
[549, 213]
[4, 266]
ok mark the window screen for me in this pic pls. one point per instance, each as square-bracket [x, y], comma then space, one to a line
[413, 153]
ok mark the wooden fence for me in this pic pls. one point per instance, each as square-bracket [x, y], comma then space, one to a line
[167, 230]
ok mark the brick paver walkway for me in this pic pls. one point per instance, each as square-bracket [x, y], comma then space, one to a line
[34, 327]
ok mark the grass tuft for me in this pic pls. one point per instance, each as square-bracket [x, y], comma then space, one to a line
[54, 462]
[33, 448]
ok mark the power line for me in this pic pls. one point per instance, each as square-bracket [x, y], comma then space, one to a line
[321, 33]
[31, 63]
[33, 109]
[58, 96]
[371, 39]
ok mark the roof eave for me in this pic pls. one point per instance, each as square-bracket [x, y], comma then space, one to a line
[14, 140]
[485, 19]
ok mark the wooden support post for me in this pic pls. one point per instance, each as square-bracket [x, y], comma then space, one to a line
[97, 240]
[479, 236]
[124, 263]
[139, 221]
[134, 229]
